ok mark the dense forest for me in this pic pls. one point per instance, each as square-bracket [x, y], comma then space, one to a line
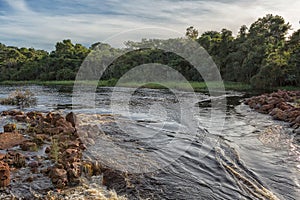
[264, 55]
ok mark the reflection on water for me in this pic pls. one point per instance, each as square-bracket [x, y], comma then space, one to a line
[237, 160]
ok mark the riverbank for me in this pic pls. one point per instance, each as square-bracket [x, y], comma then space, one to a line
[281, 105]
[42, 157]
[197, 86]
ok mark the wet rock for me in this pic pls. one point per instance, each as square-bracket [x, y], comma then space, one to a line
[49, 117]
[279, 115]
[47, 150]
[29, 146]
[71, 117]
[43, 137]
[293, 114]
[74, 172]
[9, 140]
[9, 127]
[281, 105]
[16, 159]
[266, 108]
[15, 112]
[22, 118]
[275, 111]
[59, 177]
[114, 179]
[4, 174]
[29, 179]
[33, 115]
[2, 156]
[39, 139]
[284, 106]
[55, 118]
[46, 171]
[73, 144]
[33, 164]
[71, 155]
[65, 125]
[53, 131]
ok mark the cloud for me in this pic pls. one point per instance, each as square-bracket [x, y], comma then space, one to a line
[42, 23]
[18, 5]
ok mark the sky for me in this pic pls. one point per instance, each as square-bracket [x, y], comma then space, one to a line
[42, 23]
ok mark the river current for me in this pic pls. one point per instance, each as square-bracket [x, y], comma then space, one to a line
[230, 159]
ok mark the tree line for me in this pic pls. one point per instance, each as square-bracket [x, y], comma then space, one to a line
[263, 55]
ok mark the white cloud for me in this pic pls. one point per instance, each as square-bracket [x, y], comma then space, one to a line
[18, 5]
[26, 27]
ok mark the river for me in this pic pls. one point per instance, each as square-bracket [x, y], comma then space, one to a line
[170, 160]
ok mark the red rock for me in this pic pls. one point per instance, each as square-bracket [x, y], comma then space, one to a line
[53, 131]
[71, 117]
[292, 115]
[55, 118]
[34, 115]
[73, 144]
[266, 108]
[33, 164]
[284, 106]
[2, 156]
[66, 126]
[71, 155]
[9, 140]
[28, 146]
[59, 177]
[15, 112]
[4, 174]
[22, 118]
[74, 172]
[14, 158]
[49, 117]
[9, 127]
[279, 114]
[273, 100]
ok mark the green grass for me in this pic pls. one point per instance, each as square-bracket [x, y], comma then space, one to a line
[197, 86]
[290, 88]
[34, 82]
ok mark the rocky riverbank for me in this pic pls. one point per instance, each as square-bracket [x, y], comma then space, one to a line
[281, 105]
[41, 157]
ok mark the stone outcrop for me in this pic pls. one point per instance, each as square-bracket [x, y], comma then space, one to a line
[281, 105]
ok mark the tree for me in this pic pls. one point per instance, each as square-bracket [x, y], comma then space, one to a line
[192, 33]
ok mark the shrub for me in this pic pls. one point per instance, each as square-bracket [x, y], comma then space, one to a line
[20, 98]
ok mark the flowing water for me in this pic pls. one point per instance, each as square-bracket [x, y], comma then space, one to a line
[167, 159]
